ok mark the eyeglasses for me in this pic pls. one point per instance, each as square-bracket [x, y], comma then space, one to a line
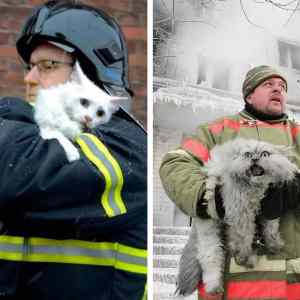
[46, 66]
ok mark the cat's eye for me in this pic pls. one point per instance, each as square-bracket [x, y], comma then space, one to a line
[265, 154]
[248, 155]
[84, 102]
[100, 113]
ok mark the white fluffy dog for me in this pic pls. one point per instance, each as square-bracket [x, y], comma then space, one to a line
[243, 169]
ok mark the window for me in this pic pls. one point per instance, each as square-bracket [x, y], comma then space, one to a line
[289, 55]
[213, 74]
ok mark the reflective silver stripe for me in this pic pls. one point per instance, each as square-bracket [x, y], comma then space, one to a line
[263, 265]
[11, 247]
[71, 251]
[293, 266]
[79, 251]
[132, 259]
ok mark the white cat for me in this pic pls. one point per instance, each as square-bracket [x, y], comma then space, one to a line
[243, 169]
[62, 111]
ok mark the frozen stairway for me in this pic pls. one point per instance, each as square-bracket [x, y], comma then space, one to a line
[168, 243]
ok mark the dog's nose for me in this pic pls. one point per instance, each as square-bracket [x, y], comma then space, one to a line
[254, 160]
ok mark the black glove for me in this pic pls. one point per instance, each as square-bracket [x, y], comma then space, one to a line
[281, 198]
[202, 205]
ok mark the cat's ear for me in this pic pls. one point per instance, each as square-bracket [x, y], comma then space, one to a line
[78, 75]
[116, 102]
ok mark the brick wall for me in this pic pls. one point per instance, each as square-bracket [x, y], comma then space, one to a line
[132, 16]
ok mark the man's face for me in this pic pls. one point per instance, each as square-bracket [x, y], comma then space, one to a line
[49, 66]
[269, 97]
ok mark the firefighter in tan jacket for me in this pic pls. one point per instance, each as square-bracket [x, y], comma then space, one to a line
[263, 118]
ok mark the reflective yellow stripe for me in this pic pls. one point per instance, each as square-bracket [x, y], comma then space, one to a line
[99, 155]
[263, 265]
[103, 170]
[34, 249]
[11, 256]
[132, 251]
[120, 182]
[130, 267]
[11, 239]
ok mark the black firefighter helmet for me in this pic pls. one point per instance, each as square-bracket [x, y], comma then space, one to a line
[96, 38]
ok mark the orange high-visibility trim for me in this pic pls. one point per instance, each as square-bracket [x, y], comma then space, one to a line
[218, 127]
[295, 131]
[196, 148]
[236, 125]
[293, 291]
[265, 289]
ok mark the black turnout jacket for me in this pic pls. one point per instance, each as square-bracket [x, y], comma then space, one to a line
[72, 230]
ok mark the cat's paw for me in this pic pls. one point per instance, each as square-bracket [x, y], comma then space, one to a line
[275, 246]
[246, 261]
[214, 287]
[72, 154]
[213, 282]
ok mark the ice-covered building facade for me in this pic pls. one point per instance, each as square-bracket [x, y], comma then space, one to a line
[202, 53]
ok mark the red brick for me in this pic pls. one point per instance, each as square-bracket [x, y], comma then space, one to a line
[127, 19]
[139, 46]
[139, 6]
[140, 92]
[3, 64]
[14, 2]
[121, 5]
[135, 33]
[8, 52]
[10, 91]
[137, 60]
[4, 38]
[15, 77]
[138, 73]
[35, 2]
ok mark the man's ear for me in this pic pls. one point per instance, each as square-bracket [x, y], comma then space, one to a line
[249, 99]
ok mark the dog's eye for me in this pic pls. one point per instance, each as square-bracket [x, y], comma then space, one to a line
[265, 154]
[248, 155]
[100, 113]
[84, 102]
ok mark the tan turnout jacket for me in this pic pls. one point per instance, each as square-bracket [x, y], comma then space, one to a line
[274, 277]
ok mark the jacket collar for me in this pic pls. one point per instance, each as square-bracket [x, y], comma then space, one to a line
[250, 113]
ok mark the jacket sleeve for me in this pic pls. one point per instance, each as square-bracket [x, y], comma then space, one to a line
[118, 150]
[181, 170]
[35, 174]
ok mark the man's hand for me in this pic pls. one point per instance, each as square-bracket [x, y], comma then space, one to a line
[281, 198]
[202, 206]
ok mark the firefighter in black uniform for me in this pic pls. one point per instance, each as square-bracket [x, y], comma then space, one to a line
[72, 230]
